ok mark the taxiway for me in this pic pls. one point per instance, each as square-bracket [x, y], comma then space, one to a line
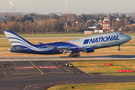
[40, 73]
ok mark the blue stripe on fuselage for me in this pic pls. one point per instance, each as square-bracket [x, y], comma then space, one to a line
[50, 51]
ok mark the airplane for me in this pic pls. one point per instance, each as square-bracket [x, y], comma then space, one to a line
[71, 47]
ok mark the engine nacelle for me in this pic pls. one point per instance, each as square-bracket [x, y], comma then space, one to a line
[88, 50]
[75, 50]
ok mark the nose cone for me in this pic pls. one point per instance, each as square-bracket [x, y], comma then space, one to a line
[129, 38]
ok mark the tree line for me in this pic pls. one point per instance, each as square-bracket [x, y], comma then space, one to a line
[53, 23]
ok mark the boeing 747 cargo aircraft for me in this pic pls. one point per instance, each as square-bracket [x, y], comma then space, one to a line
[71, 47]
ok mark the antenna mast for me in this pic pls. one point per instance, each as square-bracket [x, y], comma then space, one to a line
[65, 6]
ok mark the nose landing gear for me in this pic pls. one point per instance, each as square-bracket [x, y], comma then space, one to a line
[118, 47]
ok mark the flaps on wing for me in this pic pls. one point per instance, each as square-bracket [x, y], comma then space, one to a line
[59, 48]
[48, 46]
[68, 49]
[65, 49]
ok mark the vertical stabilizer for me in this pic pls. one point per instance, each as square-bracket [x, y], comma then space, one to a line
[16, 40]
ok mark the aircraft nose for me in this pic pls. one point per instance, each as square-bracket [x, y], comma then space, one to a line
[129, 38]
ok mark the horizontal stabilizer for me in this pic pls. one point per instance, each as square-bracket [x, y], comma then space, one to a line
[40, 43]
[18, 49]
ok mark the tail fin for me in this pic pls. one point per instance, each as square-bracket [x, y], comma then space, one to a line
[16, 40]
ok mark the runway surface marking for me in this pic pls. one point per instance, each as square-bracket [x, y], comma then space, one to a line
[47, 67]
[36, 67]
[46, 73]
[24, 68]
[26, 73]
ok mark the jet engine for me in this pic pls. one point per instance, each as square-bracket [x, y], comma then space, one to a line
[75, 50]
[88, 50]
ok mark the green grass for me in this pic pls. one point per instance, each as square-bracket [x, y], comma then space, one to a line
[98, 67]
[130, 34]
[2, 36]
[57, 35]
[128, 45]
[51, 35]
[96, 86]
[61, 35]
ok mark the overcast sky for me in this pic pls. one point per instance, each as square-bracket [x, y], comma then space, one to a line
[74, 6]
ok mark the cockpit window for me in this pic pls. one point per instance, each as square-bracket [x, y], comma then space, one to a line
[121, 33]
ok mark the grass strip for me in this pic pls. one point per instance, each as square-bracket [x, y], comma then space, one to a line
[98, 67]
[57, 35]
[96, 86]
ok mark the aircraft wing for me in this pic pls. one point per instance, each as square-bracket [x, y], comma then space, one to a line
[67, 49]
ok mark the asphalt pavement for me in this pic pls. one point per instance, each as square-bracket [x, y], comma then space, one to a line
[40, 75]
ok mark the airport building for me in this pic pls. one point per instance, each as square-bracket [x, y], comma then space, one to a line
[106, 24]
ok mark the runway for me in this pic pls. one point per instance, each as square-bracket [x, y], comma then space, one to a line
[40, 73]
[66, 58]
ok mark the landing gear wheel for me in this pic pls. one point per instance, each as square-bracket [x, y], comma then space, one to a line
[77, 55]
[74, 55]
[118, 47]
[70, 55]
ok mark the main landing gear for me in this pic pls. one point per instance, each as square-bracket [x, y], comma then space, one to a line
[74, 55]
[118, 47]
